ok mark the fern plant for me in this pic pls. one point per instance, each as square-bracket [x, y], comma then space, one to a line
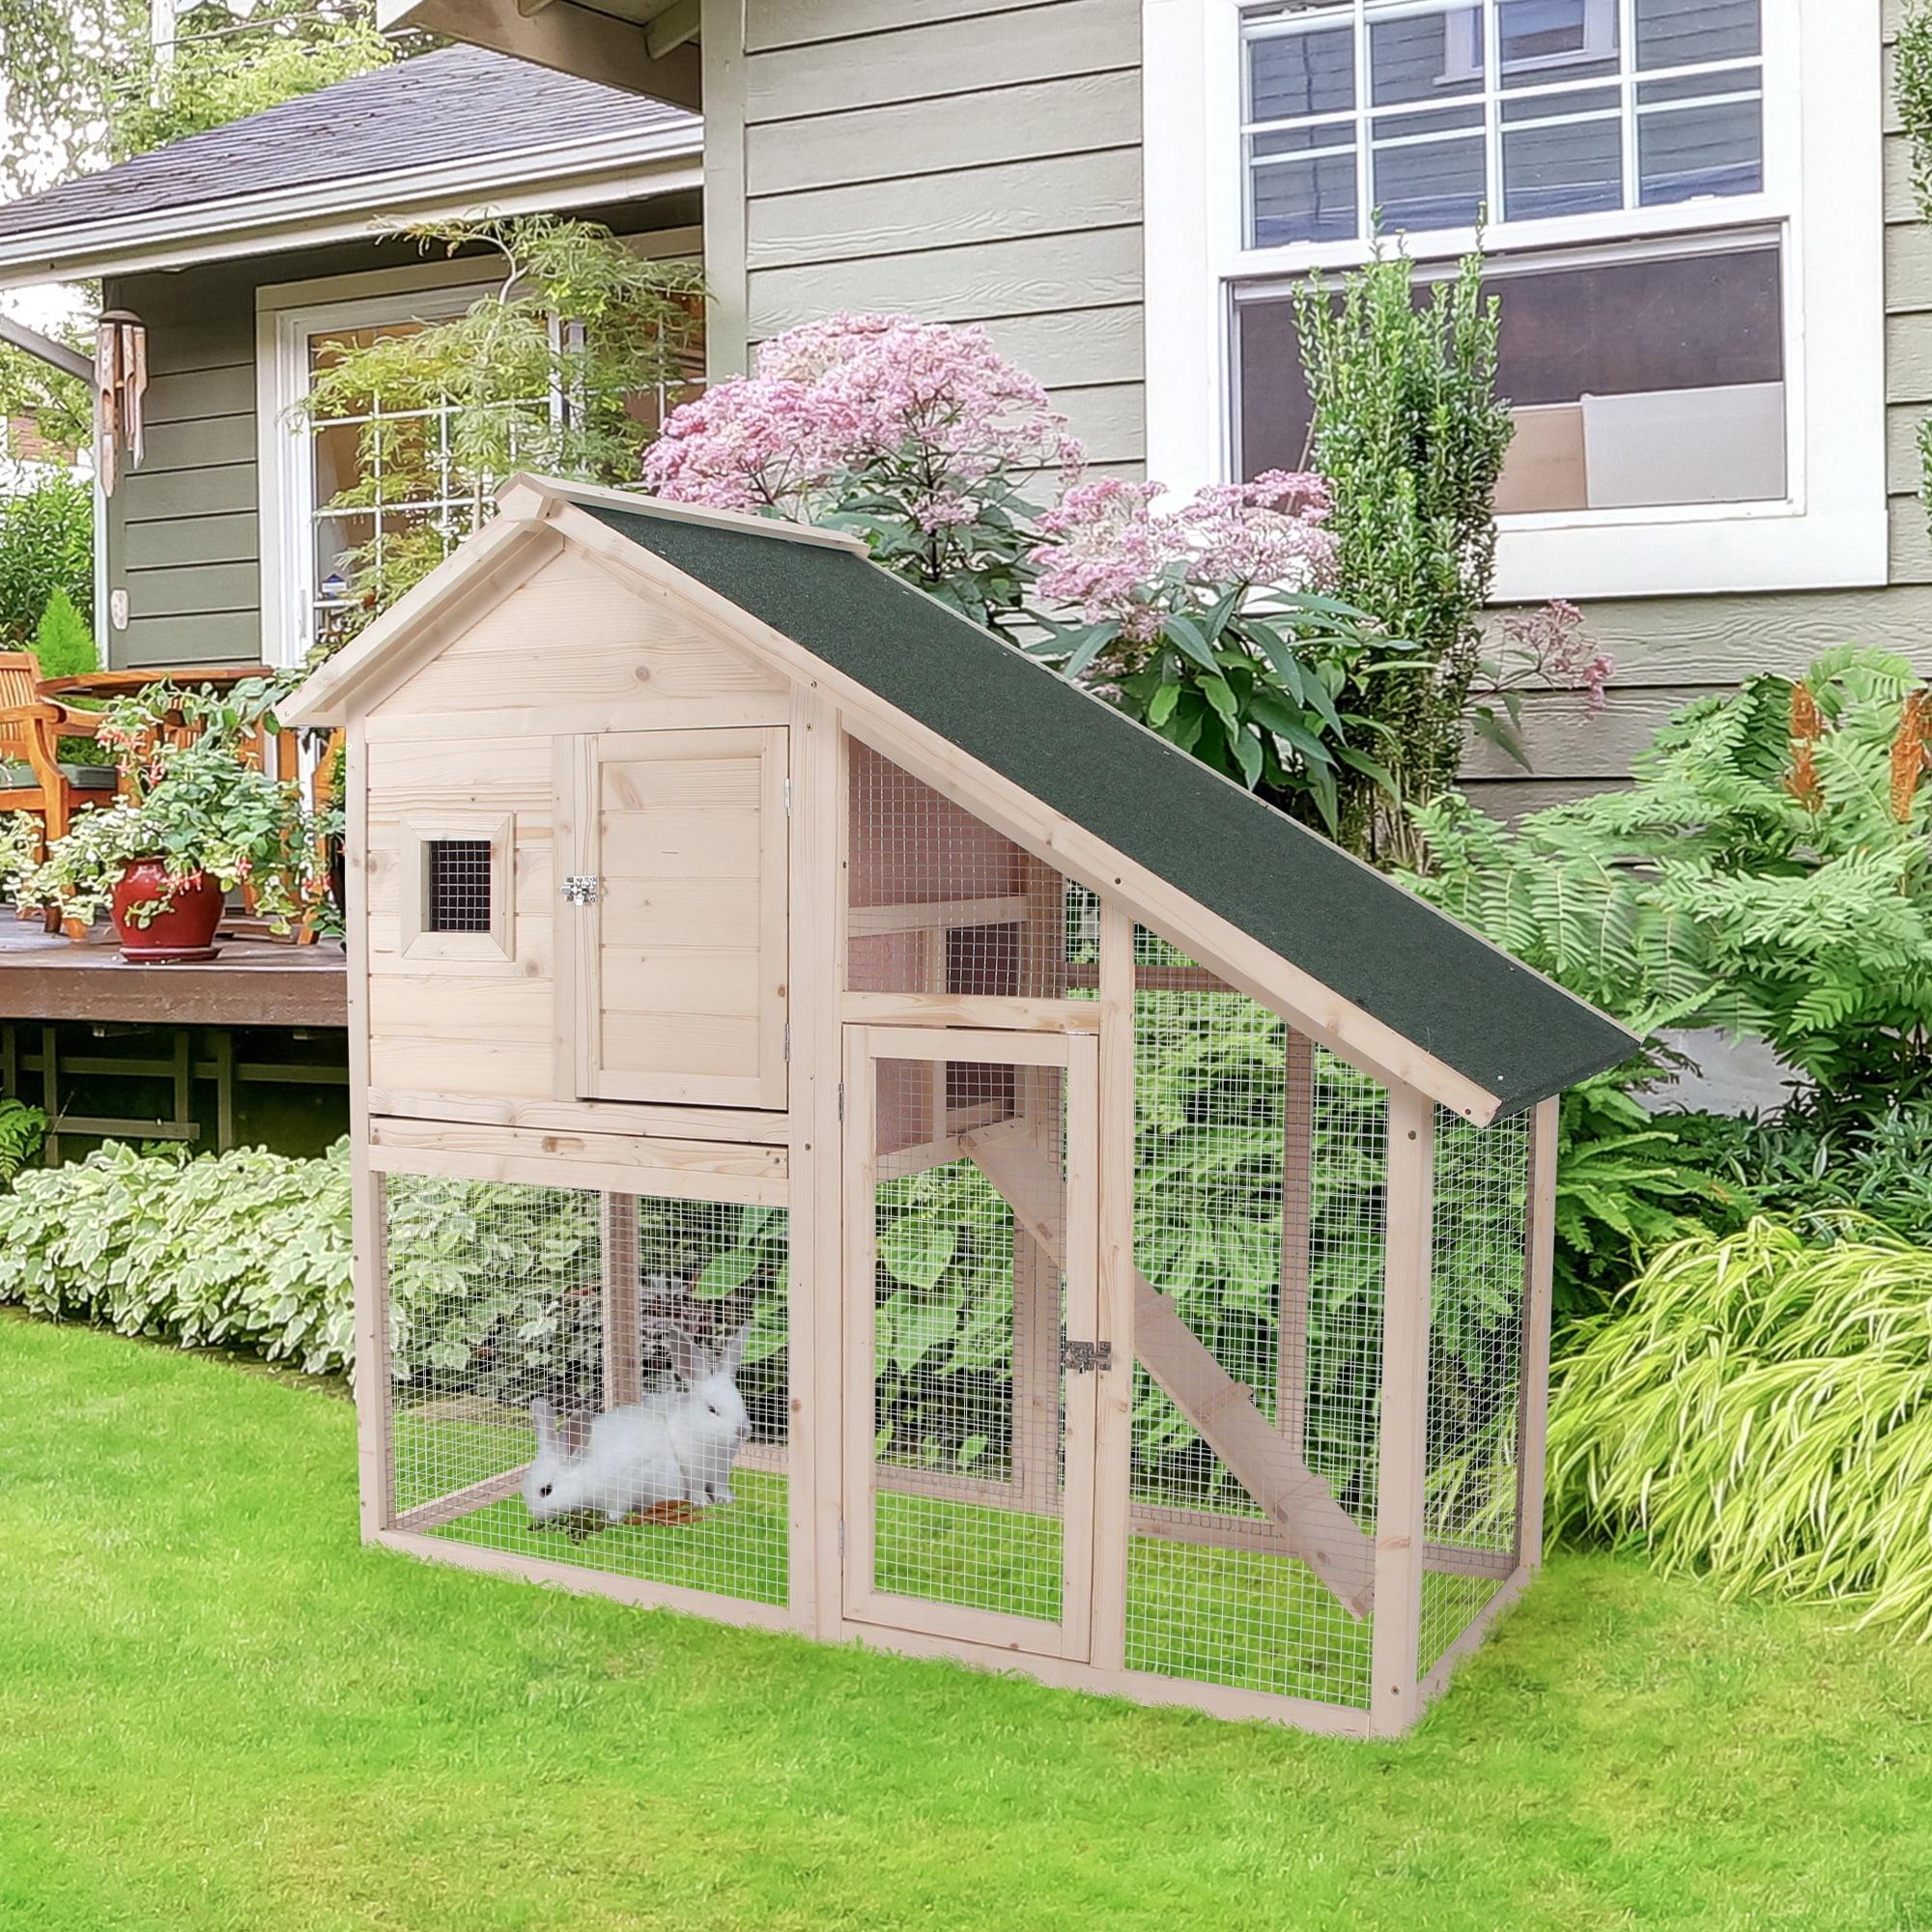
[1769, 872]
[22, 1129]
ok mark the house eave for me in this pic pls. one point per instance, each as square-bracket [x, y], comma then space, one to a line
[568, 174]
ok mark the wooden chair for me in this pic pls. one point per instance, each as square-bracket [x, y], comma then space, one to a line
[31, 727]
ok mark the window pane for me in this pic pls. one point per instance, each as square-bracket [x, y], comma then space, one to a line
[1290, 74]
[1716, 148]
[1680, 33]
[1635, 383]
[1563, 170]
[1427, 56]
[1431, 184]
[1539, 41]
[1304, 200]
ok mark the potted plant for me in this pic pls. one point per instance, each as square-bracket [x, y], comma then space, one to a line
[199, 819]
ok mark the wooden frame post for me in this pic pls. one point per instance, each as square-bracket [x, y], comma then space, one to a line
[1113, 1416]
[1394, 1689]
[1297, 1230]
[623, 1308]
[1539, 1264]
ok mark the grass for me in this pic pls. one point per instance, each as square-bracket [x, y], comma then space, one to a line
[216, 1710]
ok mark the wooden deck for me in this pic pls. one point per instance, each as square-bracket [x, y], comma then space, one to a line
[254, 984]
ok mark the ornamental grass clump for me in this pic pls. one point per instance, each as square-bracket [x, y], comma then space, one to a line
[1761, 1409]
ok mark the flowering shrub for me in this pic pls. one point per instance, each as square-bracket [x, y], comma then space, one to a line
[1546, 648]
[915, 435]
[1210, 624]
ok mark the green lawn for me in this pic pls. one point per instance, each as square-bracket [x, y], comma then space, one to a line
[217, 1711]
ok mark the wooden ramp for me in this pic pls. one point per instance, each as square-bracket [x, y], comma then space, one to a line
[1300, 1504]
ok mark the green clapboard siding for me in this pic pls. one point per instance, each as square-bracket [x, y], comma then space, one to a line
[961, 161]
[183, 530]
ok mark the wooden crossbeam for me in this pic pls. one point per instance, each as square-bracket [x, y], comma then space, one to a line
[1300, 1504]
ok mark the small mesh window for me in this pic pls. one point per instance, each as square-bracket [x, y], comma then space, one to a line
[459, 885]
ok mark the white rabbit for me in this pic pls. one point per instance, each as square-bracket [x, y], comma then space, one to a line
[674, 1446]
[707, 1419]
[628, 1463]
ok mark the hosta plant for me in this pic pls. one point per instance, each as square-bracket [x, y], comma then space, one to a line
[1769, 872]
[1761, 1409]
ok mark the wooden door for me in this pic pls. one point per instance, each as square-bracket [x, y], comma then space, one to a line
[673, 877]
[971, 1305]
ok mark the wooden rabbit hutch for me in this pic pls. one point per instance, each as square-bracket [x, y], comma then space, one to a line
[1102, 1229]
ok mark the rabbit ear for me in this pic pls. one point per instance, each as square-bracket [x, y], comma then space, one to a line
[687, 1358]
[734, 1351]
[544, 1416]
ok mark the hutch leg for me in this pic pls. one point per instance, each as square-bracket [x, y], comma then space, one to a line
[374, 1437]
[1394, 1690]
[1533, 1415]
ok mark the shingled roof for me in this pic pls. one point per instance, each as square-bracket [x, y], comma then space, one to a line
[1463, 1001]
[457, 105]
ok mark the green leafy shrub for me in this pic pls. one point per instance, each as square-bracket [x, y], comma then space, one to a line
[246, 1250]
[1769, 872]
[1411, 434]
[64, 646]
[1629, 1182]
[46, 544]
[22, 1129]
[62, 639]
[1762, 1410]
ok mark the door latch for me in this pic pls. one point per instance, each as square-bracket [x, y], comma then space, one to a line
[1083, 1358]
[582, 889]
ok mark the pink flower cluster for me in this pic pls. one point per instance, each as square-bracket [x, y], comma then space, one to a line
[1559, 650]
[834, 400]
[1111, 555]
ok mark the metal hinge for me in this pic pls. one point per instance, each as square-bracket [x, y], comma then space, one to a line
[1083, 1358]
[788, 798]
[842, 1099]
[787, 1045]
[842, 1536]
[582, 889]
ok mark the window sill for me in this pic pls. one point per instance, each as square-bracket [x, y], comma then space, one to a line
[1714, 548]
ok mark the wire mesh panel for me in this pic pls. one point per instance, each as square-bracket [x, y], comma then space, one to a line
[975, 1267]
[591, 1380]
[459, 885]
[938, 901]
[1259, 1226]
[1476, 1313]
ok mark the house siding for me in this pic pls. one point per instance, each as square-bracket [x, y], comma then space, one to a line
[962, 162]
[183, 530]
[981, 163]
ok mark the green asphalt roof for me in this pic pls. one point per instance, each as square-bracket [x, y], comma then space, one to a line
[1460, 999]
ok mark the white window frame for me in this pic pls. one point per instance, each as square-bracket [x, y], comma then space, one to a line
[287, 316]
[285, 450]
[1823, 192]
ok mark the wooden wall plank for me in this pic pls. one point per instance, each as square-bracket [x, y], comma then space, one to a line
[1030, 277]
[191, 541]
[1066, 193]
[944, 57]
[1072, 114]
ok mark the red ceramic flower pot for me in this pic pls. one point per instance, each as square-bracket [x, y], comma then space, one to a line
[185, 931]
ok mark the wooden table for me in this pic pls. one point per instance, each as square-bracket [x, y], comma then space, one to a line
[127, 683]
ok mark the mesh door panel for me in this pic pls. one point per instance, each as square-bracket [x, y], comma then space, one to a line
[1475, 1372]
[1258, 1212]
[502, 1296]
[459, 885]
[968, 1310]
